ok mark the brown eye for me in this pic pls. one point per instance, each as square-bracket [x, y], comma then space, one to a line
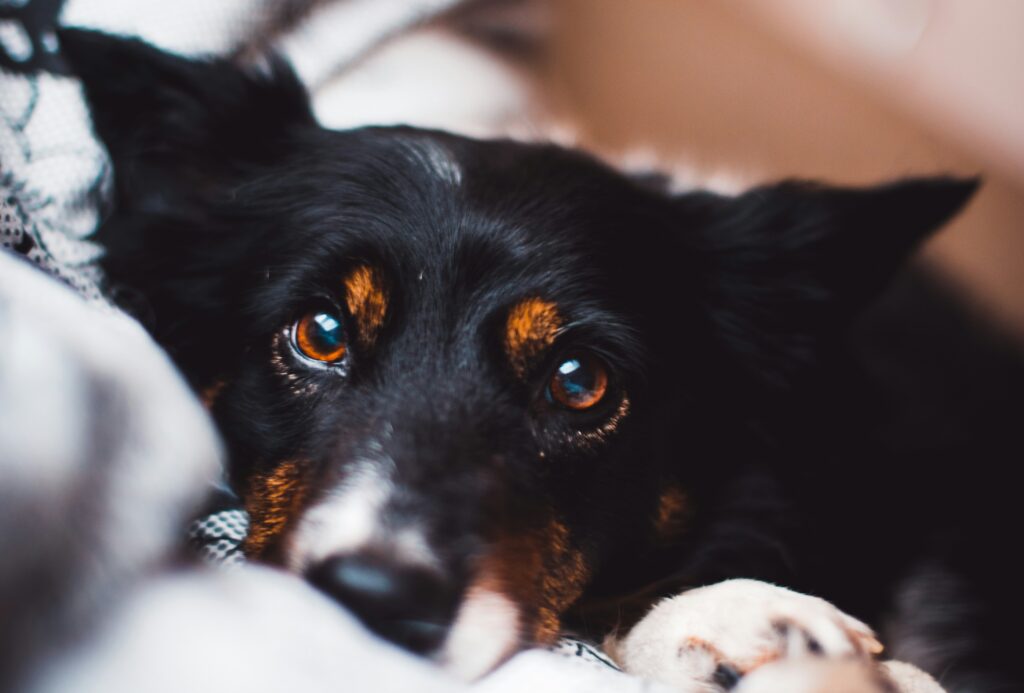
[319, 335]
[580, 382]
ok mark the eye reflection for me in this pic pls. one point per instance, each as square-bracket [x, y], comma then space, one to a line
[580, 382]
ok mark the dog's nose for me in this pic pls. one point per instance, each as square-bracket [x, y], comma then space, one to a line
[408, 605]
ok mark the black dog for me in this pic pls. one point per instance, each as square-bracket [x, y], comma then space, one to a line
[457, 375]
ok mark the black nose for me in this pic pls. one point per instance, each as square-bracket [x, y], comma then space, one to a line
[408, 605]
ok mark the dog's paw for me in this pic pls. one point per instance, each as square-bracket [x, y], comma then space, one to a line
[710, 638]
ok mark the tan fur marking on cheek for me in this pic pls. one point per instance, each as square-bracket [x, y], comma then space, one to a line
[272, 502]
[672, 514]
[210, 394]
[367, 301]
[563, 579]
[532, 326]
[541, 572]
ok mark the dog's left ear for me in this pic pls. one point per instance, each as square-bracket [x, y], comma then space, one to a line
[184, 135]
[781, 268]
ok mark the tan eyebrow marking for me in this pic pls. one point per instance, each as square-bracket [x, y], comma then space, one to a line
[532, 326]
[367, 301]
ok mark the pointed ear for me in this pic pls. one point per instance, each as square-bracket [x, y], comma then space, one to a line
[784, 268]
[172, 124]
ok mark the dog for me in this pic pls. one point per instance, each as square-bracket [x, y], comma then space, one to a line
[486, 392]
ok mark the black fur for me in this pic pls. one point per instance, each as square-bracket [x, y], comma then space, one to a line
[814, 442]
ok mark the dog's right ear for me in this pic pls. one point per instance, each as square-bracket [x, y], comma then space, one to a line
[175, 126]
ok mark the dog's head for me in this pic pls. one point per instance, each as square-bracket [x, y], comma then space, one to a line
[461, 381]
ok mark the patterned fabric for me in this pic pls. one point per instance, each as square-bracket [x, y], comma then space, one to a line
[53, 173]
[583, 652]
[217, 538]
[27, 39]
[44, 245]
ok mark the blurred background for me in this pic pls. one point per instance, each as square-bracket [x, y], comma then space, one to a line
[852, 91]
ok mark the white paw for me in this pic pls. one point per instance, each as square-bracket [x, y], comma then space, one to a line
[709, 638]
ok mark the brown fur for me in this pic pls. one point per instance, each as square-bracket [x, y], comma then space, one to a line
[541, 568]
[210, 394]
[532, 326]
[673, 512]
[273, 501]
[367, 300]
[565, 574]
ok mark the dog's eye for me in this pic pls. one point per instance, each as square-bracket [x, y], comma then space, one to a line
[319, 335]
[580, 382]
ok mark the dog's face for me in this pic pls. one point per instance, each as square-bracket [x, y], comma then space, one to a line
[461, 382]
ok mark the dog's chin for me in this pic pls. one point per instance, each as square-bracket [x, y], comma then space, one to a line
[486, 632]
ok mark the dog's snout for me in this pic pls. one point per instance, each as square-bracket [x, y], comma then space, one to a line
[409, 605]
